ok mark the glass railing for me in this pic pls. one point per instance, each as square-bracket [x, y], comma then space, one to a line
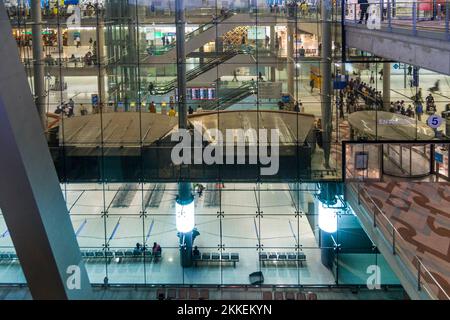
[309, 9]
[160, 50]
[77, 62]
[400, 247]
[17, 13]
[306, 10]
[420, 16]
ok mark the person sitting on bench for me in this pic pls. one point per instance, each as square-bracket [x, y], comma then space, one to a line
[196, 252]
[156, 250]
[138, 249]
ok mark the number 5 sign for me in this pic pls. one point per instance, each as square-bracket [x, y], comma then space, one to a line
[434, 121]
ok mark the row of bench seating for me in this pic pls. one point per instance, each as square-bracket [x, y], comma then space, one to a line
[10, 256]
[216, 257]
[204, 257]
[282, 257]
[204, 294]
[182, 294]
[288, 295]
[118, 255]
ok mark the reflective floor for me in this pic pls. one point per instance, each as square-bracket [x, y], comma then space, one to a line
[111, 216]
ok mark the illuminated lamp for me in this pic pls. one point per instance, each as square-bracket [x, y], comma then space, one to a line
[185, 220]
[327, 218]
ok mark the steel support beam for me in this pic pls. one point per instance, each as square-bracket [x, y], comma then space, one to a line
[386, 85]
[325, 72]
[102, 60]
[181, 61]
[30, 195]
[290, 59]
[38, 61]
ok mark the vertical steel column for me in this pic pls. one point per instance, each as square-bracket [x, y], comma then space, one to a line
[132, 29]
[290, 58]
[38, 61]
[386, 85]
[30, 195]
[272, 51]
[181, 61]
[325, 71]
[101, 60]
[184, 188]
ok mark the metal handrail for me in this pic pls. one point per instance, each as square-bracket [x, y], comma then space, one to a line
[414, 11]
[420, 265]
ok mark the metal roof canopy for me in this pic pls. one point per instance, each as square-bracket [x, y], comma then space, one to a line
[389, 126]
[120, 129]
[293, 127]
[127, 129]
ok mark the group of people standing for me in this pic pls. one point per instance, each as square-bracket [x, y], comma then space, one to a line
[356, 89]
[67, 109]
[373, 100]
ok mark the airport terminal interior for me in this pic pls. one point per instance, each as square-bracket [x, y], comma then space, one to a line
[357, 91]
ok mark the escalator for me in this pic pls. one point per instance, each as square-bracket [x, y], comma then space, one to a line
[231, 97]
[199, 70]
[195, 39]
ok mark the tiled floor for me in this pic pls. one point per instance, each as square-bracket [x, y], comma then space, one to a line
[421, 213]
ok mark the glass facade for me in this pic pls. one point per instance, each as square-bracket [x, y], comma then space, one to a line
[264, 224]
[112, 102]
[117, 61]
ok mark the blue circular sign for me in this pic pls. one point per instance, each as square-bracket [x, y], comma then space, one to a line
[434, 121]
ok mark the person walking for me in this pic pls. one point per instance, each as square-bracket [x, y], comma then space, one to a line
[151, 88]
[363, 5]
[419, 110]
[341, 108]
[311, 84]
[71, 103]
[234, 76]
[172, 112]
[260, 76]
[152, 108]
